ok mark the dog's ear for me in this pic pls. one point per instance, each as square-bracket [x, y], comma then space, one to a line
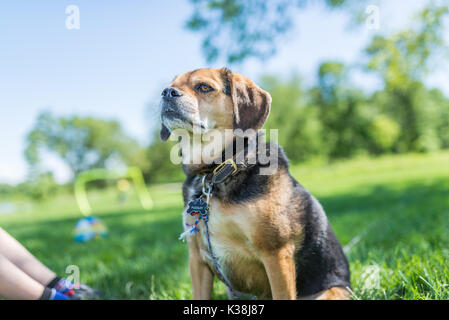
[165, 133]
[251, 103]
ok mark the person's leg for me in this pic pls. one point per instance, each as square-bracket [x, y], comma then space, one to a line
[12, 250]
[15, 284]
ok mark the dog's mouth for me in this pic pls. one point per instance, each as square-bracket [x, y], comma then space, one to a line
[176, 119]
[170, 114]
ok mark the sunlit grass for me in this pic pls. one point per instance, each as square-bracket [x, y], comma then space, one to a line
[390, 213]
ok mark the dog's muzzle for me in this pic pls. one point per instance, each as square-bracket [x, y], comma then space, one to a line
[171, 109]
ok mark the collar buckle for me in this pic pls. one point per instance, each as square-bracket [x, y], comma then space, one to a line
[224, 170]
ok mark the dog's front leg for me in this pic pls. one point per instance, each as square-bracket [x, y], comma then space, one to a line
[202, 276]
[280, 268]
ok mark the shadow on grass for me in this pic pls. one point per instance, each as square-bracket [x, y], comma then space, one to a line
[385, 216]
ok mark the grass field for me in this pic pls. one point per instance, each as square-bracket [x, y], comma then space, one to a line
[390, 213]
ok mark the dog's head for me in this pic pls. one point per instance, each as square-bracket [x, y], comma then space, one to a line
[206, 99]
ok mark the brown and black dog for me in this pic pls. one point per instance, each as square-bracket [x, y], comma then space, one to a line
[270, 237]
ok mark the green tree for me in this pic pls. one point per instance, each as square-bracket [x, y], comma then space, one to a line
[6, 190]
[38, 187]
[239, 29]
[402, 60]
[342, 111]
[81, 142]
[297, 121]
[442, 116]
[158, 167]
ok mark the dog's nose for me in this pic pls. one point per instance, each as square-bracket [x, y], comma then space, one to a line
[171, 93]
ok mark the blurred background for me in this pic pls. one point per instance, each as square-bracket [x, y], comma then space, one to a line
[360, 97]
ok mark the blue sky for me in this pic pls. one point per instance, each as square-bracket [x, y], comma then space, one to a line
[125, 52]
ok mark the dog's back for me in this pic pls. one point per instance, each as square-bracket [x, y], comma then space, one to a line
[320, 262]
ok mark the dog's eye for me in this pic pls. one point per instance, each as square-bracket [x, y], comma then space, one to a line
[204, 87]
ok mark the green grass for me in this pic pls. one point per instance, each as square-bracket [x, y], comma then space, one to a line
[390, 213]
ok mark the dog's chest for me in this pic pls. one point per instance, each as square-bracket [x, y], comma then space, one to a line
[229, 231]
[229, 235]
